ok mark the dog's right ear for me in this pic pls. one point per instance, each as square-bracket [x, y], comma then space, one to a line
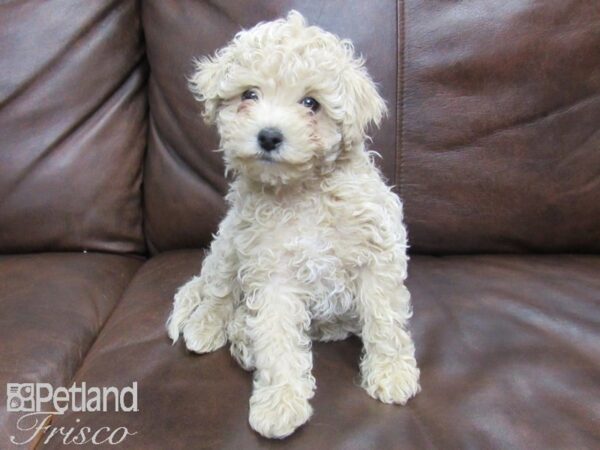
[205, 83]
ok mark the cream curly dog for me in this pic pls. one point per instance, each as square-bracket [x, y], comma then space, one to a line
[313, 245]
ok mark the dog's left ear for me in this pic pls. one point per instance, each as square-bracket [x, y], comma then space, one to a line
[365, 105]
[205, 83]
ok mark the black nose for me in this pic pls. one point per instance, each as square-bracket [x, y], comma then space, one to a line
[270, 138]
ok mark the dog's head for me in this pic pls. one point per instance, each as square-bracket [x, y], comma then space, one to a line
[288, 99]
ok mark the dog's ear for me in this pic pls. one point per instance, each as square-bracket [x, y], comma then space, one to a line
[365, 105]
[205, 82]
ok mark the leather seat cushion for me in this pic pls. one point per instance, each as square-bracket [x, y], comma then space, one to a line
[52, 307]
[507, 347]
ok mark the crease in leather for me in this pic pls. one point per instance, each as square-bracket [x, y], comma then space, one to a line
[523, 123]
[220, 9]
[46, 68]
[594, 135]
[180, 161]
[76, 126]
[83, 355]
[121, 295]
[162, 138]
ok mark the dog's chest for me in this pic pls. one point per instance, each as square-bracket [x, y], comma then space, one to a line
[305, 246]
[316, 262]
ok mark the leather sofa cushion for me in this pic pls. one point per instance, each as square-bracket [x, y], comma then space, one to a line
[492, 136]
[72, 126]
[183, 178]
[501, 114]
[507, 348]
[52, 307]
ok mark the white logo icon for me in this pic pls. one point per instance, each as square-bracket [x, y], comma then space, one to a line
[20, 397]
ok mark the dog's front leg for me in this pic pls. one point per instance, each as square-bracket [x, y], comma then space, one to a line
[283, 384]
[204, 304]
[388, 366]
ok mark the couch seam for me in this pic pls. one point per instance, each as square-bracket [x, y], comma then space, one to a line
[93, 343]
[108, 317]
[400, 92]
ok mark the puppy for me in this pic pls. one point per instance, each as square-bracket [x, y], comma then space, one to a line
[313, 245]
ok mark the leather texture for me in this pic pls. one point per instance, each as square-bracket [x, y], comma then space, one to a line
[507, 347]
[501, 135]
[72, 126]
[183, 178]
[52, 306]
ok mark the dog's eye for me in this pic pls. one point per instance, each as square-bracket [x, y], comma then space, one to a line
[250, 94]
[310, 103]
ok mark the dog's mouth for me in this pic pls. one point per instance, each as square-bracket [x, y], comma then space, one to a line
[268, 158]
[261, 156]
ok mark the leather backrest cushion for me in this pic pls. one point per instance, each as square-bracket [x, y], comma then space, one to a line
[72, 126]
[183, 180]
[501, 125]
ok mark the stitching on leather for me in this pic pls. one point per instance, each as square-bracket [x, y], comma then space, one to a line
[400, 83]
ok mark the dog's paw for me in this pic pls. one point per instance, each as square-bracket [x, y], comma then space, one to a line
[276, 411]
[186, 300]
[242, 354]
[174, 326]
[204, 332]
[390, 380]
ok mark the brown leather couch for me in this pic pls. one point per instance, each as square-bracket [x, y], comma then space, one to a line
[109, 189]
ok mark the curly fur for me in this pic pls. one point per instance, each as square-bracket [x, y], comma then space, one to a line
[313, 245]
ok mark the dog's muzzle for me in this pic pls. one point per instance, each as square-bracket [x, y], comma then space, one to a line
[270, 139]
